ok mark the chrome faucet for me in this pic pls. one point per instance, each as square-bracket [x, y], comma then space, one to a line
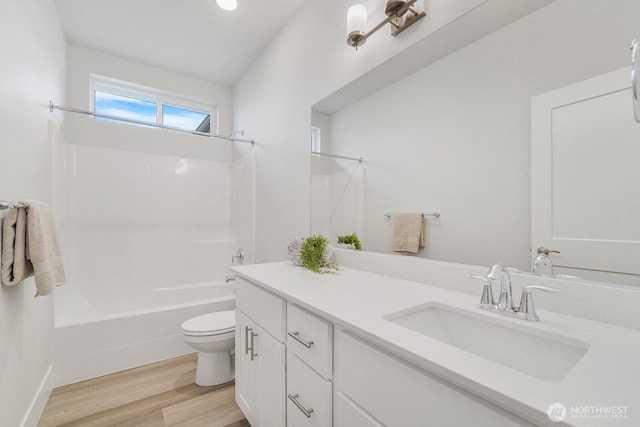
[525, 310]
[505, 300]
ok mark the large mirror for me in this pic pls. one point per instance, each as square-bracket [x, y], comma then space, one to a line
[455, 137]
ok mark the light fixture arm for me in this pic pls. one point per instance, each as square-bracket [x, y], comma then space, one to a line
[395, 11]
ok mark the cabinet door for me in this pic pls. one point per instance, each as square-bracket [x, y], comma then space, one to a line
[269, 361]
[245, 369]
[390, 392]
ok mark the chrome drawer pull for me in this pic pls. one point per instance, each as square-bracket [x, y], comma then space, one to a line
[295, 336]
[246, 339]
[253, 355]
[294, 399]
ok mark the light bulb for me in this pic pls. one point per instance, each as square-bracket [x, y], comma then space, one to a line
[356, 19]
[227, 4]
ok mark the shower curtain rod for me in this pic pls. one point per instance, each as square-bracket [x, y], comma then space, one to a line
[53, 106]
[357, 159]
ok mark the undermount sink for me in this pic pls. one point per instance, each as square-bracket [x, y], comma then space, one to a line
[544, 355]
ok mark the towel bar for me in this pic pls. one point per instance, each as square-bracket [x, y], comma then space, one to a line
[6, 205]
[436, 214]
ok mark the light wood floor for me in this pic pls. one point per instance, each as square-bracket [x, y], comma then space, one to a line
[156, 395]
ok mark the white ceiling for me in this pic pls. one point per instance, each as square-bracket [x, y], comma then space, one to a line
[193, 37]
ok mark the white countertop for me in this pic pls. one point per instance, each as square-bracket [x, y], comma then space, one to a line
[607, 375]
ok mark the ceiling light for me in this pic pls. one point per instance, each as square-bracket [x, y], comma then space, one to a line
[401, 14]
[227, 4]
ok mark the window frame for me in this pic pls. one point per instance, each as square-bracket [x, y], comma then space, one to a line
[315, 139]
[148, 94]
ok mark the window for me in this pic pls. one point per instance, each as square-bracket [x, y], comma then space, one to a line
[140, 105]
[184, 118]
[316, 140]
[126, 107]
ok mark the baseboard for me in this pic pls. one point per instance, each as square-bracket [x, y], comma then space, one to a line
[34, 412]
[84, 366]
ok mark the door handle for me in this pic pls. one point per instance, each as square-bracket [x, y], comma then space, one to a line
[544, 251]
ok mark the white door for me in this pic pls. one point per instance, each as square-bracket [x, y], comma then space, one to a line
[586, 179]
[245, 369]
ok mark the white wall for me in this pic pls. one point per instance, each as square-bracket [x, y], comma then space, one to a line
[462, 123]
[32, 72]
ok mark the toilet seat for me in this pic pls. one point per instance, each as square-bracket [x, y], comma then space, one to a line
[211, 324]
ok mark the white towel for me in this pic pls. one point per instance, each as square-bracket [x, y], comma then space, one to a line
[32, 250]
[409, 232]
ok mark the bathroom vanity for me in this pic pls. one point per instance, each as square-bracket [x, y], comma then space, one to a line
[364, 349]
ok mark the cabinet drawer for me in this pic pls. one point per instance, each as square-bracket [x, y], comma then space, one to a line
[311, 338]
[311, 392]
[263, 307]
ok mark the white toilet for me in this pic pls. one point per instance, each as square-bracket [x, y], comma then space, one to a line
[213, 335]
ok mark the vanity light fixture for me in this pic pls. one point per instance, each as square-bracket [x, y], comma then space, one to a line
[401, 14]
[227, 4]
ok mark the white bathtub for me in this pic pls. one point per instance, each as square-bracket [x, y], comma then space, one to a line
[92, 342]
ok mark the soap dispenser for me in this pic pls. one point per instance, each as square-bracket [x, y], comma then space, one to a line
[542, 264]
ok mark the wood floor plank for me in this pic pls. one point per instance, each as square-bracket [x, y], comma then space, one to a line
[144, 397]
[212, 410]
[79, 400]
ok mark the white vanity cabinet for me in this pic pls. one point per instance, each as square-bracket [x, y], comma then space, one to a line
[374, 388]
[334, 378]
[260, 355]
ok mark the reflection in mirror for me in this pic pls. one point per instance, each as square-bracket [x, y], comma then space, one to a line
[336, 197]
[336, 187]
[456, 137]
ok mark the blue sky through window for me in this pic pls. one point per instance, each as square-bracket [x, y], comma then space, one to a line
[125, 107]
[182, 118]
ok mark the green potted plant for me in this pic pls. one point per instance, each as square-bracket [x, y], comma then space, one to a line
[349, 241]
[316, 255]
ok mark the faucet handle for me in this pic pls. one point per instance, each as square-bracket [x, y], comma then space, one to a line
[527, 289]
[486, 300]
[527, 309]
